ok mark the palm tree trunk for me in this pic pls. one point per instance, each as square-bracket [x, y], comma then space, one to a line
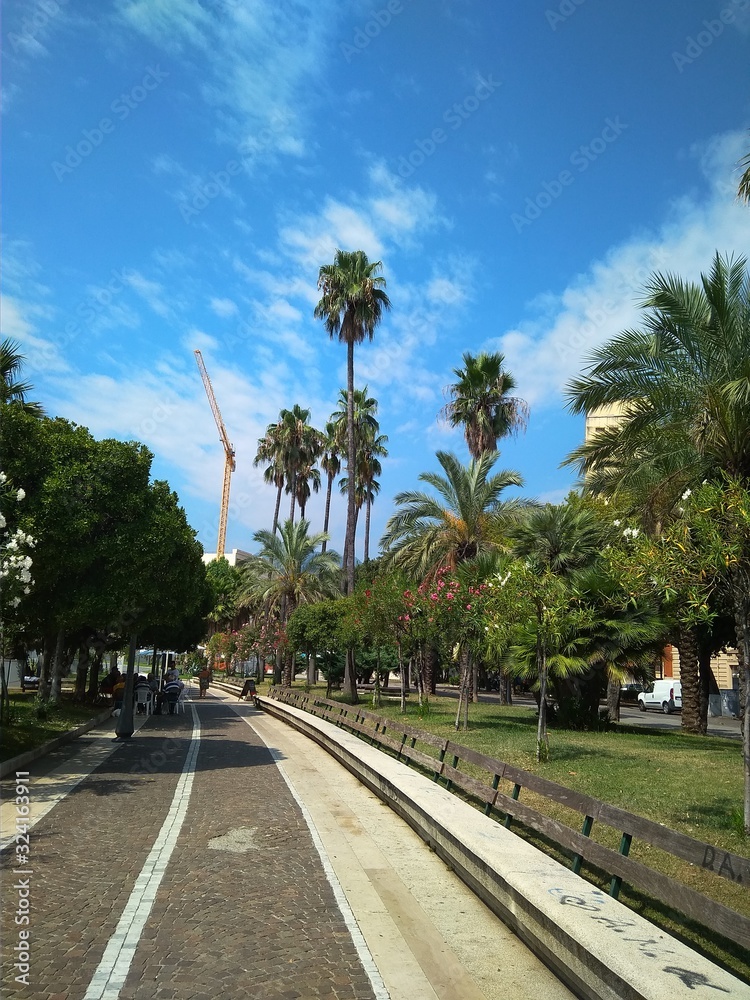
[367, 529]
[294, 498]
[613, 699]
[350, 679]
[351, 470]
[278, 505]
[328, 510]
[688, 646]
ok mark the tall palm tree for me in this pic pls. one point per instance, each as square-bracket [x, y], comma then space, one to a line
[301, 446]
[308, 482]
[270, 450]
[482, 404]
[366, 432]
[330, 463]
[12, 390]
[352, 304]
[465, 519]
[289, 571]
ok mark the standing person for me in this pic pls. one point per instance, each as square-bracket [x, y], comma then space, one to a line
[204, 679]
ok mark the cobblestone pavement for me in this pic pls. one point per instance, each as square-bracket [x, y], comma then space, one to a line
[244, 908]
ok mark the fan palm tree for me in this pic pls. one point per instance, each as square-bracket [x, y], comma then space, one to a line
[308, 482]
[481, 402]
[14, 391]
[270, 450]
[330, 462]
[351, 306]
[465, 519]
[289, 571]
[301, 446]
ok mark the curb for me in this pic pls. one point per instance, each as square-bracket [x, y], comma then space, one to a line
[7, 766]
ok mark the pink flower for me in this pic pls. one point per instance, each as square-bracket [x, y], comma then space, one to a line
[433, 597]
[468, 607]
[449, 596]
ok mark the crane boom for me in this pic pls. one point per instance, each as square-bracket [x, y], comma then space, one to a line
[229, 462]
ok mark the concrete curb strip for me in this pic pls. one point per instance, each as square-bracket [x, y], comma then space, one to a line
[597, 946]
[21, 760]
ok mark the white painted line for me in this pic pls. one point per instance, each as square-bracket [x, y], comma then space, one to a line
[113, 969]
[365, 956]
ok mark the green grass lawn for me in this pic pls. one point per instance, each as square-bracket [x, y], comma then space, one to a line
[26, 731]
[689, 783]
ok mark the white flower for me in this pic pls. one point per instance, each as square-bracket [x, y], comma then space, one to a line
[15, 602]
[686, 494]
[3, 522]
[3, 478]
[617, 523]
[21, 494]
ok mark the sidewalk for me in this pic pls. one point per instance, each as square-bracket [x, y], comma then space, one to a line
[183, 867]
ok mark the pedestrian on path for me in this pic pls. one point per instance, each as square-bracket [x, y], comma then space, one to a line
[204, 679]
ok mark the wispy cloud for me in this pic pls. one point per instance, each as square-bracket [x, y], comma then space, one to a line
[547, 350]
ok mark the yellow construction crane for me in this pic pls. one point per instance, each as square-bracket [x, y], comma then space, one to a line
[229, 463]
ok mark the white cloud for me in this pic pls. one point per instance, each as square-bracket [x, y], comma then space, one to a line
[224, 307]
[550, 348]
[150, 291]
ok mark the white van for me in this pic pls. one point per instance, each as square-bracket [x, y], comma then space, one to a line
[664, 695]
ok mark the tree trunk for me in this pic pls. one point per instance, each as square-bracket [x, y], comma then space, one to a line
[57, 668]
[351, 470]
[82, 671]
[96, 665]
[430, 658]
[463, 687]
[294, 498]
[367, 529]
[46, 668]
[288, 668]
[376, 695]
[327, 514]
[687, 644]
[704, 687]
[475, 680]
[613, 699]
[350, 679]
[279, 489]
[401, 675]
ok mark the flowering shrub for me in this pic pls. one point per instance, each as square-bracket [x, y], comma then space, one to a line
[15, 562]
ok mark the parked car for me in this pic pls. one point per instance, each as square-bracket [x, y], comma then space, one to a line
[665, 695]
[629, 693]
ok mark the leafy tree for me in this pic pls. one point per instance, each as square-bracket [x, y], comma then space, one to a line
[482, 404]
[289, 571]
[224, 581]
[270, 449]
[352, 303]
[320, 629]
[465, 519]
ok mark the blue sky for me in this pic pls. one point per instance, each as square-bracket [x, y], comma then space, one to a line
[176, 171]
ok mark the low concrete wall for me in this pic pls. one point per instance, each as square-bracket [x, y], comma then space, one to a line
[598, 947]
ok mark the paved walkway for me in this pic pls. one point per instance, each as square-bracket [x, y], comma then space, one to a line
[220, 854]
